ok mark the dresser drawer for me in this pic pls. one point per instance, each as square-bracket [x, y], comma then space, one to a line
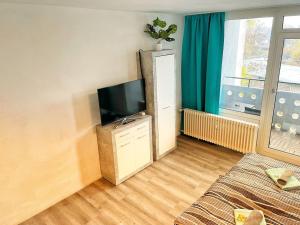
[142, 136]
[124, 136]
[123, 144]
[131, 133]
[142, 128]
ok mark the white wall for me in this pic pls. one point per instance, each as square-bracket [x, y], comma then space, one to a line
[52, 60]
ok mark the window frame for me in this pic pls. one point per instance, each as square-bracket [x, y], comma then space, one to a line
[278, 14]
[273, 68]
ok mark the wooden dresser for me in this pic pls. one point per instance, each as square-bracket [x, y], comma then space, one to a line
[125, 150]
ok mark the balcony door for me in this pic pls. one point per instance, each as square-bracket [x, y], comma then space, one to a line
[279, 135]
[261, 77]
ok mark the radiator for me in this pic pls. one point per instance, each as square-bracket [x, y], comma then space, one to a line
[234, 134]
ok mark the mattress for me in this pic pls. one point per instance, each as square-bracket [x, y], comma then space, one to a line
[246, 186]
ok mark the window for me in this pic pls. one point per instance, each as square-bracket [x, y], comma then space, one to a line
[291, 22]
[245, 56]
[290, 67]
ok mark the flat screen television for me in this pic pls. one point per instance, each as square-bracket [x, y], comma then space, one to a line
[120, 101]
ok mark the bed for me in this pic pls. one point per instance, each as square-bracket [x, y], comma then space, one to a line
[246, 186]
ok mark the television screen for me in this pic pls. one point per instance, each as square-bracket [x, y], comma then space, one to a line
[119, 101]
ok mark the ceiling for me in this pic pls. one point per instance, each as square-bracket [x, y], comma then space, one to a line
[177, 6]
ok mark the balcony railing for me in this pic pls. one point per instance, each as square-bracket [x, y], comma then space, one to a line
[247, 96]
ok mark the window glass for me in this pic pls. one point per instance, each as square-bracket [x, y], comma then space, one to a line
[291, 22]
[245, 57]
[284, 135]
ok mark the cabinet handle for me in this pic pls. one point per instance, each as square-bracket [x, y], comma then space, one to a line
[166, 107]
[139, 128]
[125, 144]
[124, 135]
[141, 136]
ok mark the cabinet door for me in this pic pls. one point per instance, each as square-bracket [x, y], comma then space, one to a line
[166, 129]
[165, 80]
[125, 158]
[142, 144]
[142, 150]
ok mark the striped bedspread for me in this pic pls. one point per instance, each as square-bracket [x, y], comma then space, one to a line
[246, 186]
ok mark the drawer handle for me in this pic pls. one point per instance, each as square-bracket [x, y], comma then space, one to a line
[141, 136]
[125, 144]
[124, 135]
[166, 107]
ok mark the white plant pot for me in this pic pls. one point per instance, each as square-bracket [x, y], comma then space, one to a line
[158, 47]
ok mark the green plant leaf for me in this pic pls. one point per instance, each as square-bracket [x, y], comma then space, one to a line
[159, 23]
[163, 34]
[154, 35]
[172, 29]
[151, 31]
[170, 39]
[150, 28]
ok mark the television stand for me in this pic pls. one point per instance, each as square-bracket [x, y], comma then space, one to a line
[126, 150]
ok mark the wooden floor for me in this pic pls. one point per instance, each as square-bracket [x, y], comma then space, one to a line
[154, 196]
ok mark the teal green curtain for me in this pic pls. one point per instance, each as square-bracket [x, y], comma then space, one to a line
[202, 52]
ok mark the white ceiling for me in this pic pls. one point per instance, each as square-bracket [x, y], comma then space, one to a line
[178, 6]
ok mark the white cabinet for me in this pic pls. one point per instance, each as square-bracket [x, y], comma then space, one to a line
[158, 68]
[166, 129]
[165, 80]
[126, 150]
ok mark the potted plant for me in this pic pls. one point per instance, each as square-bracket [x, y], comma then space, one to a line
[157, 32]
